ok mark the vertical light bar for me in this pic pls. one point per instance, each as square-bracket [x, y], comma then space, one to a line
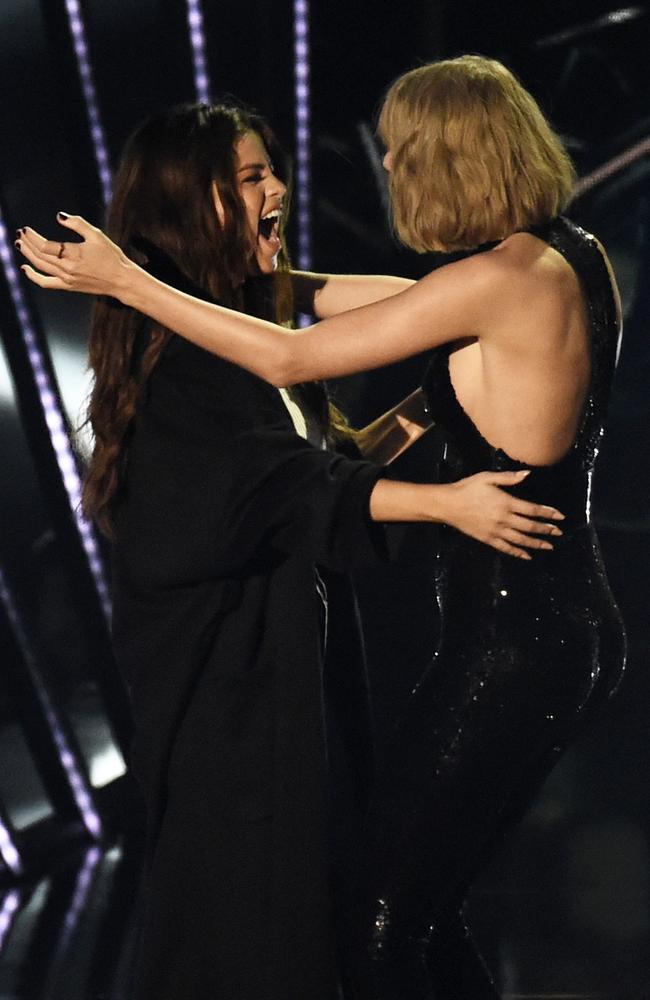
[80, 45]
[78, 904]
[49, 402]
[303, 130]
[9, 851]
[53, 414]
[8, 911]
[74, 774]
[198, 46]
[302, 138]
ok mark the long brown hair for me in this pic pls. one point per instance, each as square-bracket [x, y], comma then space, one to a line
[163, 208]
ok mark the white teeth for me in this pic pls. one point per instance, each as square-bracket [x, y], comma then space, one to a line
[273, 214]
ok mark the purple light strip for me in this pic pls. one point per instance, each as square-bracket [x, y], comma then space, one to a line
[9, 851]
[78, 32]
[199, 57]
[8, 911]
[76, 778]
[82, 889]
[303, 131]
[55, 422]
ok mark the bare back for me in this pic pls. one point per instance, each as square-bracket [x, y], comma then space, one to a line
[524, 384]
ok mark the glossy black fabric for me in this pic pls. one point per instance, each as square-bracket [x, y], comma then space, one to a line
[217, 628]
[528, 651]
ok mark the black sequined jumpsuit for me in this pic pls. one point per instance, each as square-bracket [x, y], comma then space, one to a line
[528, 652]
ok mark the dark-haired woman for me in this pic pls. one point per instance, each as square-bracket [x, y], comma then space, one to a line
[218, 512]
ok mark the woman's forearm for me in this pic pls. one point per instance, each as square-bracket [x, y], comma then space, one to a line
[261, 347]
[393, 432]
[398, 501]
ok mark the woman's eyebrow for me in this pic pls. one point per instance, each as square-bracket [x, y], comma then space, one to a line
[252, 166]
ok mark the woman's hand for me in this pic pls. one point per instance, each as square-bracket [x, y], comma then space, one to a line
[479, 507]
[96, 265]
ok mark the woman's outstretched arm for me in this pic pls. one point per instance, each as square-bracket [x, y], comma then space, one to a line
[443, 306]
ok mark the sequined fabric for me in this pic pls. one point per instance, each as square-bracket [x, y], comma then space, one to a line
[529, 651]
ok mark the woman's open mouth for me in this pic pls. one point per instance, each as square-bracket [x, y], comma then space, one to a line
[268, 232]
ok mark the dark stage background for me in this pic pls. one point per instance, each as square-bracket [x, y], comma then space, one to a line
[565, 909]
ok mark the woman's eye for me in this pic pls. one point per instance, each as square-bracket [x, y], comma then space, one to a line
[253, 178]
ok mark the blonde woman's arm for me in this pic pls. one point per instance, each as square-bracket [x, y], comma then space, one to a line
[445, 305]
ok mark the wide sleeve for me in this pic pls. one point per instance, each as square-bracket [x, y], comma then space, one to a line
[218, 484]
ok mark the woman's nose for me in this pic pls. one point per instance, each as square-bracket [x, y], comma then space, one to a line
[276, 187]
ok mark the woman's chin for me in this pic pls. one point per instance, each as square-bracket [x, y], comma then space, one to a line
[267, 263]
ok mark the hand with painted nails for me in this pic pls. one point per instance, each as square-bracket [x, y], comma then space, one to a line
[481, 508]
[95, 265]
[478, 506]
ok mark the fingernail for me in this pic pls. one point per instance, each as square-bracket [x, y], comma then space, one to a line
[547, 545]
[17, 244]
[62, 215]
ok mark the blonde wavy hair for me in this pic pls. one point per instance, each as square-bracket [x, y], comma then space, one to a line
[473, 158]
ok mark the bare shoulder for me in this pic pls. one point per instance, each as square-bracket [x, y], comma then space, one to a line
[536, 274]
[520, 265]
[525, 257]
[478, 275]
[482, 290]
[491, 293]
[520, 260]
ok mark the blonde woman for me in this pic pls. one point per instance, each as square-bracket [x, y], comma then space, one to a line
[523, 338]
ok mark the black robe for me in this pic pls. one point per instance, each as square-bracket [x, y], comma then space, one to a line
[218, 629]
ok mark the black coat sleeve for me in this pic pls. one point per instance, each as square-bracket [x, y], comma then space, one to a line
[218, 482]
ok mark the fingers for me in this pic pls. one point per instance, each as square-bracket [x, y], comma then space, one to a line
[520, 538]
[38, 244]
[47, 250]
[523, 507]
[534, 527]
[527, 509]
[507, 478]
[52, 266]
[76, 223]
[501, 545]
[41, 279]
[514, 538]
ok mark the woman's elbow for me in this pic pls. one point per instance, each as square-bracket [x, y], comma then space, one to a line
[279, 375]
[286, 367]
